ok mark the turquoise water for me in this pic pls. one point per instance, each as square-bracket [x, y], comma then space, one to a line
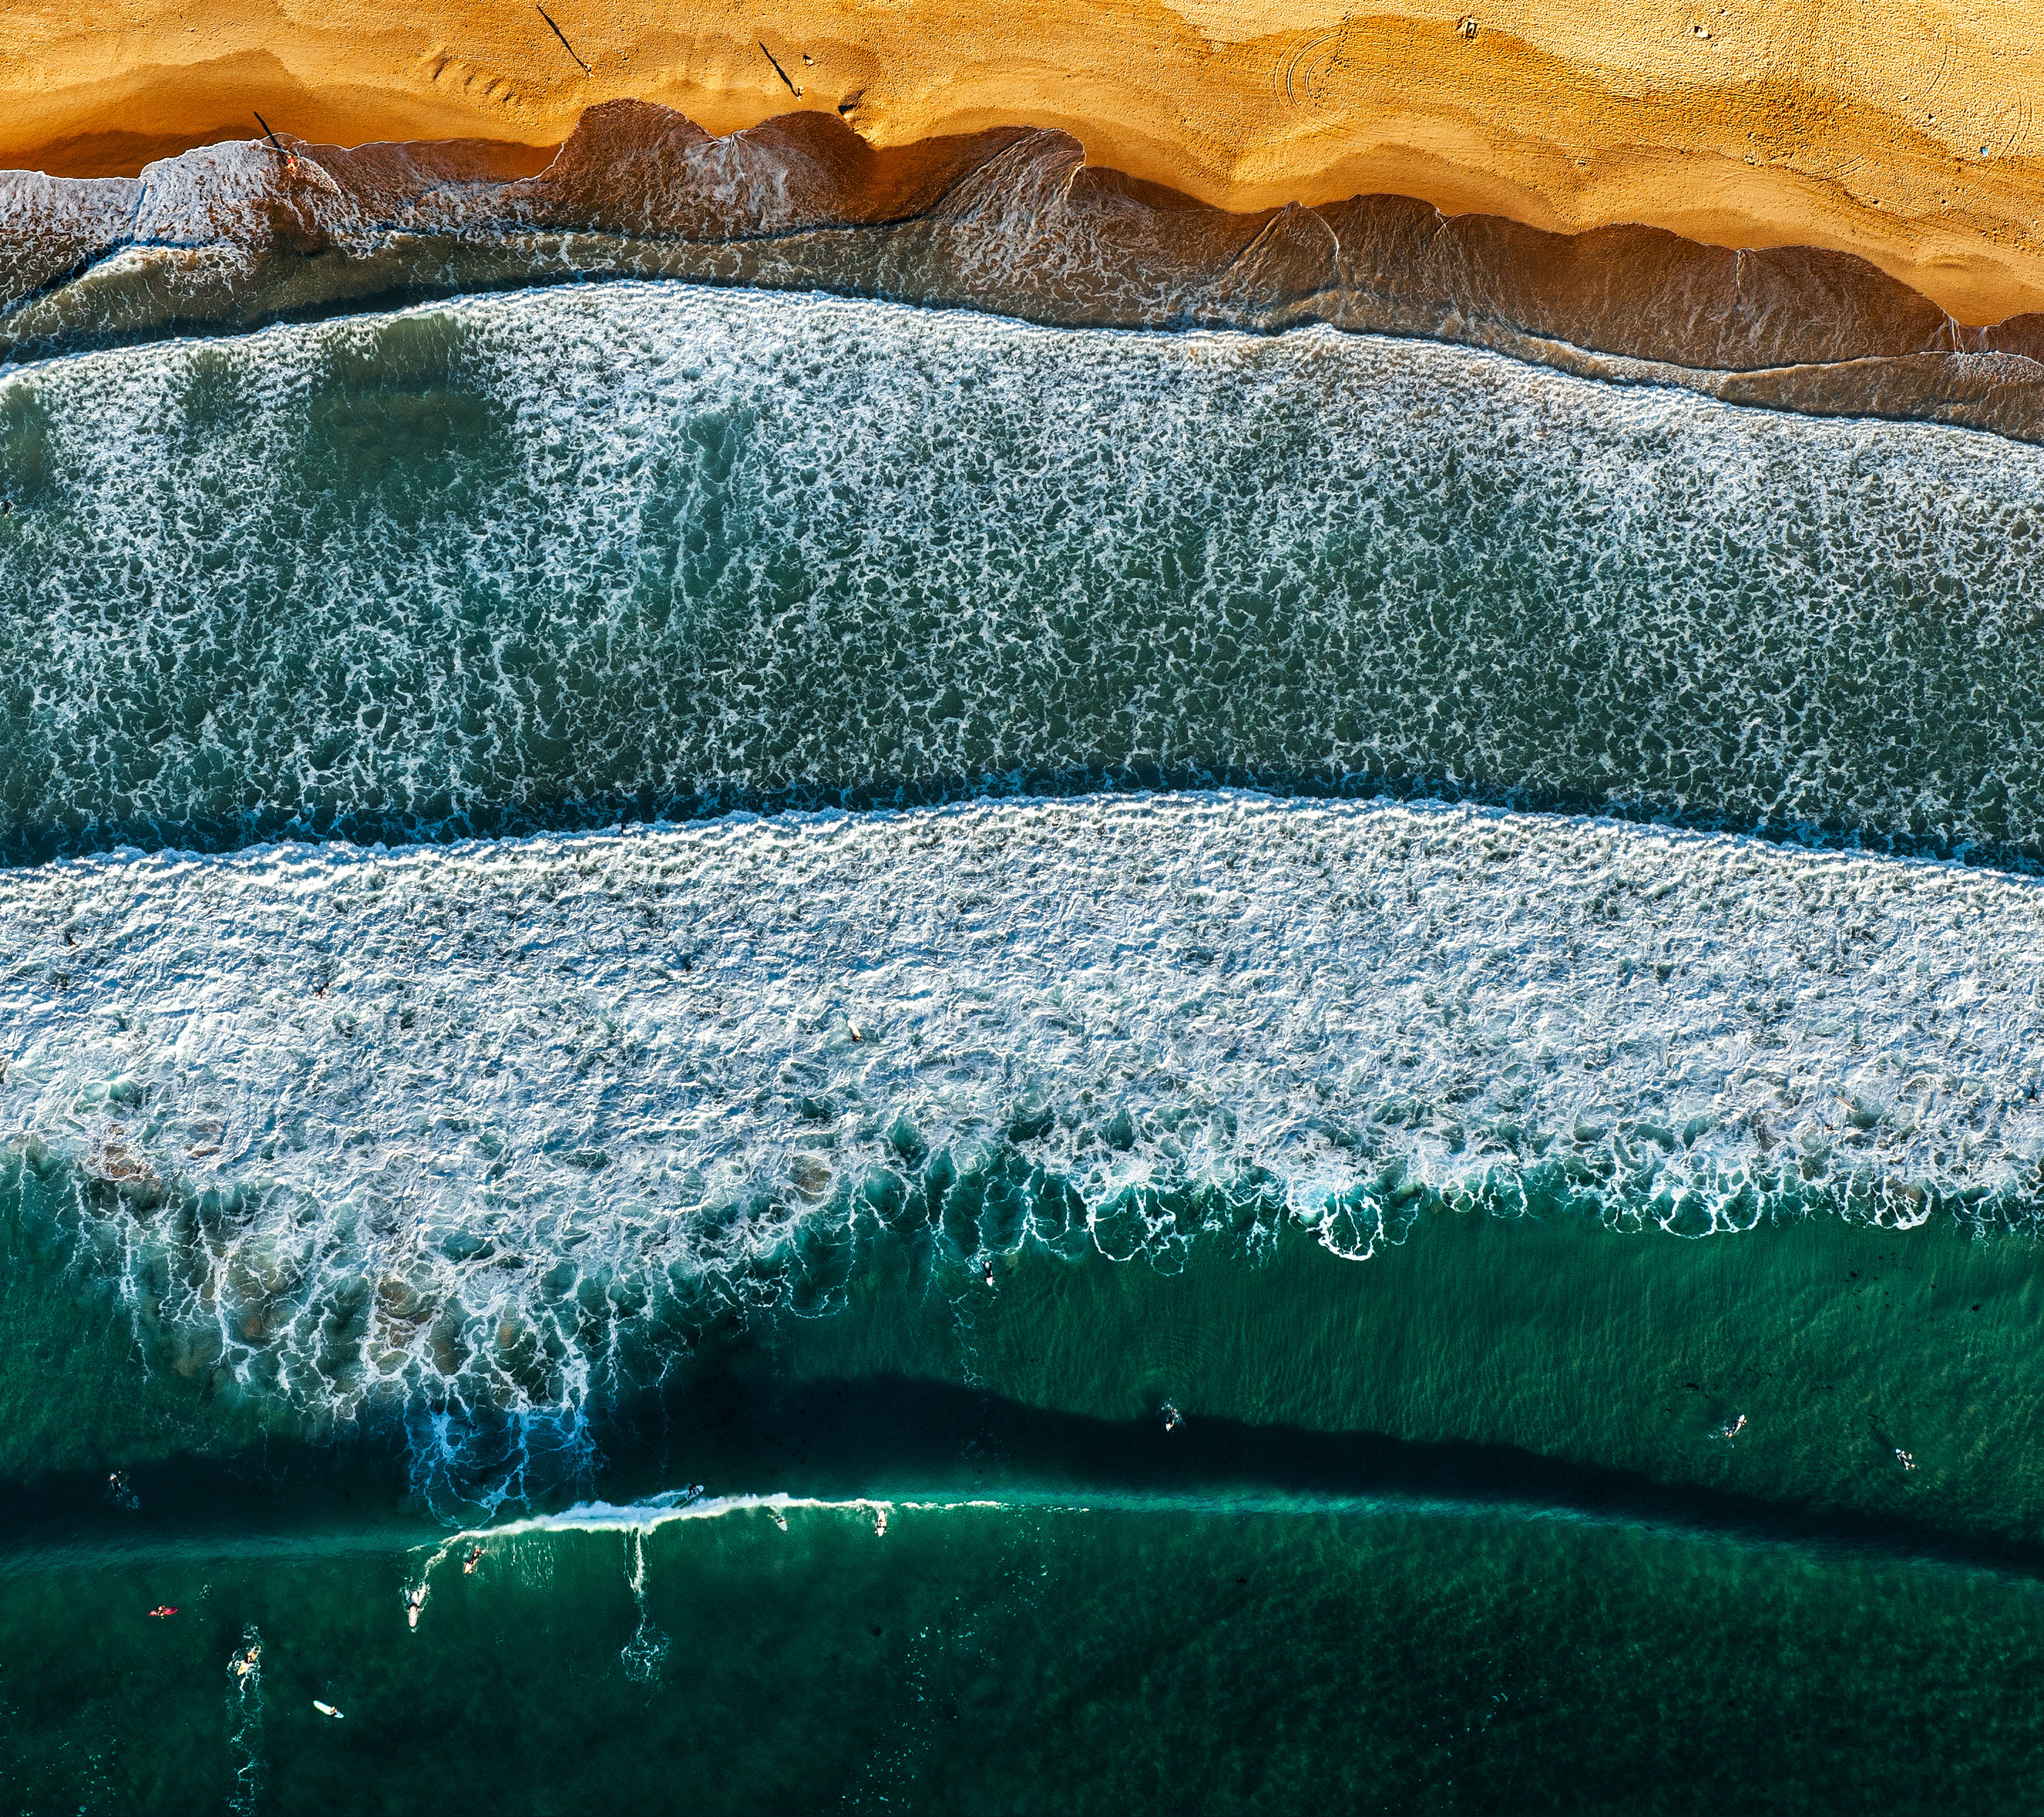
[907, 1016]
[1027, 1659]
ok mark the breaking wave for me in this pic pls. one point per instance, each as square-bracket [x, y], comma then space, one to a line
[488, 1131]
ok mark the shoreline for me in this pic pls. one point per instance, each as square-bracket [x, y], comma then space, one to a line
[1902, 140]
[1010, 221]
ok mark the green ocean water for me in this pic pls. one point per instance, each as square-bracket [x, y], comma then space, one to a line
[1031, 1660]
[1454, 1528]
[1194, 1304]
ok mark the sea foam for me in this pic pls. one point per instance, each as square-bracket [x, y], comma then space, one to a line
[554, 559]
[472, 1123]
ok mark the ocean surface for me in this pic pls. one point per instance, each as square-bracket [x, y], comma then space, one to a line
[761, 1053]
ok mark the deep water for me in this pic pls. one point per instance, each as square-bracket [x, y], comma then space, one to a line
[1212, 1280]
[1431, 1526]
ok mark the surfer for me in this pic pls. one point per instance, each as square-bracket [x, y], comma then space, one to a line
[469, 1564]
[245, 1663]
[327, 1710]
[989, 1271]
[415, 1599]
[880, 1524]
[162, 1611]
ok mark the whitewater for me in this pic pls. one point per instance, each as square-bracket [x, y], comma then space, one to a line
[343, 1123]
[553, 559]
[771, 1052]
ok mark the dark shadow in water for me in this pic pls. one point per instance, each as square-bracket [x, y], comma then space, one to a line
[848, 1438]
[896, 1437]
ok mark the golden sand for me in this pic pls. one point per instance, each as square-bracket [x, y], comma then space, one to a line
[1902, 130]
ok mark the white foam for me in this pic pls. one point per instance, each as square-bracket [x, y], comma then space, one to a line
[344, 1122]
[558, 557]
[642, 1517]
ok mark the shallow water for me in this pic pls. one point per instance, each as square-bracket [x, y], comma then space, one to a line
[552, 560]
[1172, 1298]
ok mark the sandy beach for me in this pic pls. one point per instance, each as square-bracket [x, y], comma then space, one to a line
[1882, 128]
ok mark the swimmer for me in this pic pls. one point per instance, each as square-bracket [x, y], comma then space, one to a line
[1904, 1459]
[469, 1564]
[245, 1663]
[163, 1611]
[1173, 1417]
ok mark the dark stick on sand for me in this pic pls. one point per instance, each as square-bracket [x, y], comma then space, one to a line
[777, 70]
[563, 36]
[272, 137]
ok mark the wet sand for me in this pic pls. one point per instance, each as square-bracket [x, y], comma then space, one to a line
[1879, 129]
[1006, 219]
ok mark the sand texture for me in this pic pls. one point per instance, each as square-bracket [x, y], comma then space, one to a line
[1903, 133]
